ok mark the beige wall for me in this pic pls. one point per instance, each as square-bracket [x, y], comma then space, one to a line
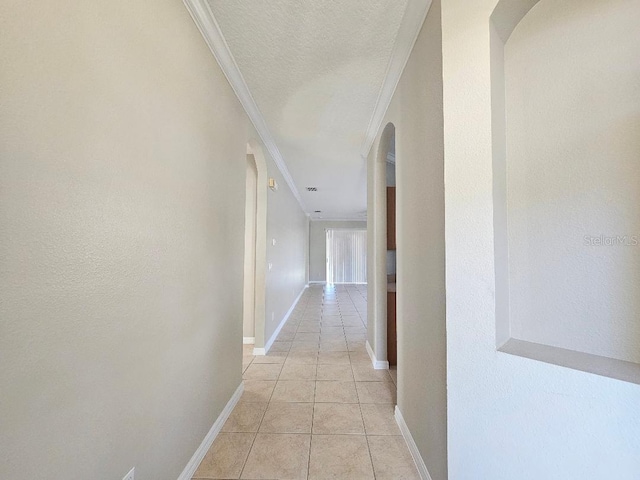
[416, 113]
[576, 177]
[289, 226]
[122, 180]
[318, 246]
[509, 417]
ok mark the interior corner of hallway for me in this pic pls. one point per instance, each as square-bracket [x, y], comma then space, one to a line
[122, 183]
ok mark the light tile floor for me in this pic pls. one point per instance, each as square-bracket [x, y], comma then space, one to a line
[314, 407]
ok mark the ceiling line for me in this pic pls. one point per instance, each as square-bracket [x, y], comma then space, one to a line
[210, 30]
[410, 26]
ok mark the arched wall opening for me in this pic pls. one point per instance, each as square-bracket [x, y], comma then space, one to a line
[566, 143]
[250, 222]
[383, 258]
[256, 164]
[391, 249]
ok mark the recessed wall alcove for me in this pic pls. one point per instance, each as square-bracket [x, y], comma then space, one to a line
[566, 171]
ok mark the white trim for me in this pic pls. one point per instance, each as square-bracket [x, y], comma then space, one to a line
[267, 346]
[317, 282]
[411, 444]
[248, 340]
[377, 364]
[337, 219]
[410, 27]
[208, 26]
[202, 450]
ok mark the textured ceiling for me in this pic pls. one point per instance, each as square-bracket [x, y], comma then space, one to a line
[315, 69]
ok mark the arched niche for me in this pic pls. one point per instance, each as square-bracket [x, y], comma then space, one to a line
[566, 175]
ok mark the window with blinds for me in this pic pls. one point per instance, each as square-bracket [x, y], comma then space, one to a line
[346, 256]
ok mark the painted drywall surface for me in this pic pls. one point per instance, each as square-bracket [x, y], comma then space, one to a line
[288, 225]
[508, 417]
[576, 176]
[416, 112]
[391, 262]
[373, 217]
[250, 218]
[391, 174]
[122, 179]
[318, 246]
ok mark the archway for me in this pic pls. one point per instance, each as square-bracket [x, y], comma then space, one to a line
[250, 222]
[255, 248]
[382, 251]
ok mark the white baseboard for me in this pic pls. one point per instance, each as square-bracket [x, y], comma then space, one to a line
[202, 450]
[377, 364]
[413, 448]
[248, 340]
[267, 345]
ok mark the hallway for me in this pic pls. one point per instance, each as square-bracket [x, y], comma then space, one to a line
[314, 407]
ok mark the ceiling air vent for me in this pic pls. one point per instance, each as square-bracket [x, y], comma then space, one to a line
[318, 211]
[312, 189]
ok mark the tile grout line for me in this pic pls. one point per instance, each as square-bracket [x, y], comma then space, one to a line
[244, 464]
[297, 320]
[364, 427]
[313, 412]
[263, 413]
[373, 469]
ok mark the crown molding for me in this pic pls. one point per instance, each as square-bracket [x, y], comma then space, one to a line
[410, 26]
[210, 30]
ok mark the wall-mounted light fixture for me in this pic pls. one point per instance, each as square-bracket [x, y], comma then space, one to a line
[273, 185]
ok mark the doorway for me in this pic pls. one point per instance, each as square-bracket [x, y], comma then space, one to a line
[390, 177]
[255, 253]
[250, 226]
[346, 254]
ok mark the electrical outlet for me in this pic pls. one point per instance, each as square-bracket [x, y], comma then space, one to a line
[130, 475]
[273, 316]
